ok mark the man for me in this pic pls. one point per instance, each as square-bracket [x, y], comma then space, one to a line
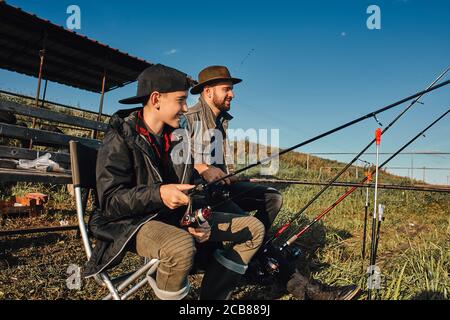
[143, 174]
[207, 122]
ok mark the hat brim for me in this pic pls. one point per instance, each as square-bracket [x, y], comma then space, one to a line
[135, 100]
[199, 87]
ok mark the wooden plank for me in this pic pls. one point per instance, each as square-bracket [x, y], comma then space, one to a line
[45, 114]
[4, 233]
[43, 138]
[52, 103]
[34, 176]
[7, 163]
[27, 154]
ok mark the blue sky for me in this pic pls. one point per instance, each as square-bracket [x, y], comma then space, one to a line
[307, 66]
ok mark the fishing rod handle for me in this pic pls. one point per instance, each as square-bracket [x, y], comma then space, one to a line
[198, 189]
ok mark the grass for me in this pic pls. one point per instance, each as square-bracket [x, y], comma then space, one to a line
[413, 255]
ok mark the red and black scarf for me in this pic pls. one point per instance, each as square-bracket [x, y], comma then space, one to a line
[162, 154]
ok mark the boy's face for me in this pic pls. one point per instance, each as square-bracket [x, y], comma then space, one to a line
[172, 106]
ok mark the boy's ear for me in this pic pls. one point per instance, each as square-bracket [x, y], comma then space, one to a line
[154, 99]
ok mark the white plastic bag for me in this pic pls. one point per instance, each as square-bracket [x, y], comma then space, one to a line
[42, 163]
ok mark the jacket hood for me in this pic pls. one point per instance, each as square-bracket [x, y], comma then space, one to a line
[124, 122]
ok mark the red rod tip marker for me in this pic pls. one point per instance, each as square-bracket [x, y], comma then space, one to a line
[378, 136]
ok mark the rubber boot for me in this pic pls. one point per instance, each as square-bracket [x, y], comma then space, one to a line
[220, 281]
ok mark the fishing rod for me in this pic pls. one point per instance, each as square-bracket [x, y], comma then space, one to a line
[442, 189]
[366, 211]
[202, 186]
[380, 219]
[276, 261]
[373, 254]
[351, 190]
[374, 218]
[313, 199]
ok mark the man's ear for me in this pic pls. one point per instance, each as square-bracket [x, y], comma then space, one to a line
[208, 91]
[154, 99]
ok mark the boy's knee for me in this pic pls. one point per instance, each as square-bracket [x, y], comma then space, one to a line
[180, 254]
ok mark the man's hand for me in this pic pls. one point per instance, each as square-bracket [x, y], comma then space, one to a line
[214, 173]
[202, 233]
[172, 195]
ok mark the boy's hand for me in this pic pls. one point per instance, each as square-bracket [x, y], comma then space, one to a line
[202, 233]
[173, 195]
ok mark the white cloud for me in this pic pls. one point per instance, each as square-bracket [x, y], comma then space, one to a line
[171, 51]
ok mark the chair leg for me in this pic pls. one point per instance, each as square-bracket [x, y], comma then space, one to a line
[82, 225]
[133, 290]
[153, 264]
[113, 291]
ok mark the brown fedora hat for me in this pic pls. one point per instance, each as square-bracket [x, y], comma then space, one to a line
[213, 74]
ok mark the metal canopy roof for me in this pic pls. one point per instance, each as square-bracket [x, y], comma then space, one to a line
[70, 58]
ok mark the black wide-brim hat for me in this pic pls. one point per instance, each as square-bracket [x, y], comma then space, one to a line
[158, 78]
[211, 75]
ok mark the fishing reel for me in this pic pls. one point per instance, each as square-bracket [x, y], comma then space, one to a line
[263, 269]
[273, 264]
[195, 218]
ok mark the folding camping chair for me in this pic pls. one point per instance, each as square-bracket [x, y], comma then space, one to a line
[83, 159]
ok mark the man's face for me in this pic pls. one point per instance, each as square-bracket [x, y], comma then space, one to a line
[172, 106]
[222, 94]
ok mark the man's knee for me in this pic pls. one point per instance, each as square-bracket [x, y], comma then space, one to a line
[274, 199]
[257, 230]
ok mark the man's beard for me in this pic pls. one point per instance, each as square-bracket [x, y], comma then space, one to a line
[221, 105]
